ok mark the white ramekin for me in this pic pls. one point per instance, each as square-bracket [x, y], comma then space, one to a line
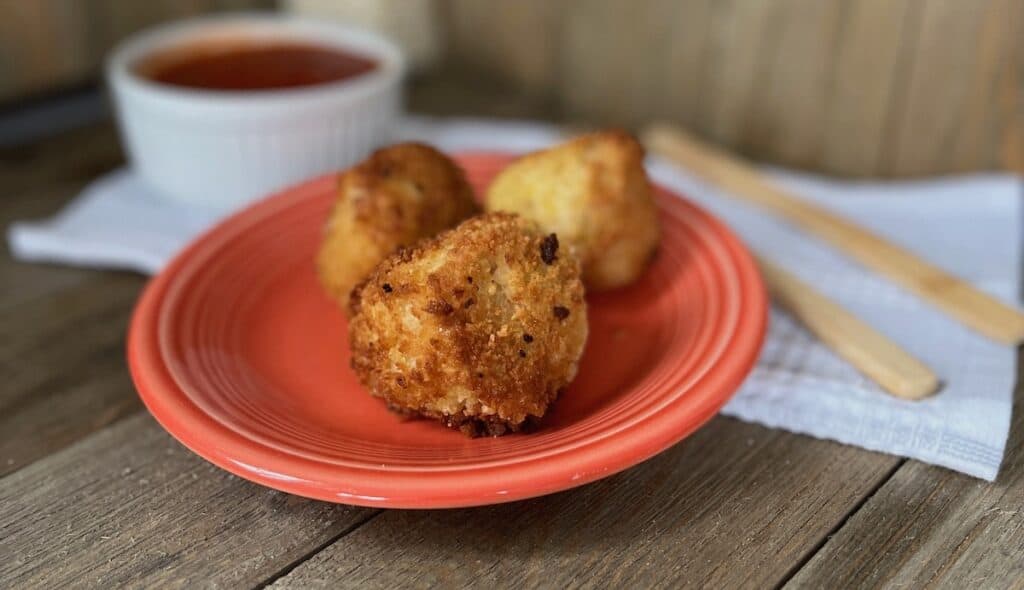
[223, 149]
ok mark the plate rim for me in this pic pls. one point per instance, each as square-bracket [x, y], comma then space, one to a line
[205, 436]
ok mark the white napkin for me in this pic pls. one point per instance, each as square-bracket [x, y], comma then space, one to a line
[969, 225]
[116, 222]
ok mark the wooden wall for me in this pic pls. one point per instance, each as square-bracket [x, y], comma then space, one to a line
[47, 45]
[849, 87]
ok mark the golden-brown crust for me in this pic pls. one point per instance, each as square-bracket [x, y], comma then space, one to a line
[594, 193]
[397, 196]
[463, 328]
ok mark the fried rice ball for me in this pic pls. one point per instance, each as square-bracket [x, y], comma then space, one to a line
[480, 328]
[593, 192]
[397, 196]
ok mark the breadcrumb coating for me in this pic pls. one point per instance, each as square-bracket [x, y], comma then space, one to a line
[480, 328]
[397, 196]
[594, 193]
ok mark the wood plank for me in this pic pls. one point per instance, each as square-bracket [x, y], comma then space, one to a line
[532, 66]
[734, 505]
[129, 506]
[614, 60]
[49, 44]
[990, 117]
[652, 71]
[931, 527]
[743, 38]
[867, 75]
[43, 44]
[62, 358]
[61, 329]
[1008, 95]
[896, 87]
[682, 87]
[787, 122]
[938, 85]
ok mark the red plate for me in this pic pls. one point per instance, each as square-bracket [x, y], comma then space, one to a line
[237, 352]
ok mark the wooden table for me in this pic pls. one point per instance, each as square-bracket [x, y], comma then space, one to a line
[94, 493]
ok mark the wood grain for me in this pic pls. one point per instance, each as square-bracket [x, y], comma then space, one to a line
[131, 507]
[53, 44]
[742, 40]
[874, 87]
[62, 358]
[736, 505]
[1010, 85]
[61, 329]
[43, 43]
[930, 527]
[524, 48]
[870, 43]
[608, 38]
[682, 91]
[984, 112]
[924, 127]
[787, 122]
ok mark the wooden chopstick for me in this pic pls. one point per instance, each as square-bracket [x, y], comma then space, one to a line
[873, 354]
[975, 309]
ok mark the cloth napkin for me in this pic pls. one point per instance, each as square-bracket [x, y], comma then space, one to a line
[969, 225]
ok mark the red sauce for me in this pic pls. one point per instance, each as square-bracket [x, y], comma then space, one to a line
[254, 67]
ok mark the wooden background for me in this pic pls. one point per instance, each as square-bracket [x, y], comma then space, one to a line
[858, 88]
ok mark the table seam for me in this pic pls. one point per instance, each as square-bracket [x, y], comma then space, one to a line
[855, 509]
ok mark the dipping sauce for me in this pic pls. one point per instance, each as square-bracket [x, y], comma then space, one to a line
[253, 66]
